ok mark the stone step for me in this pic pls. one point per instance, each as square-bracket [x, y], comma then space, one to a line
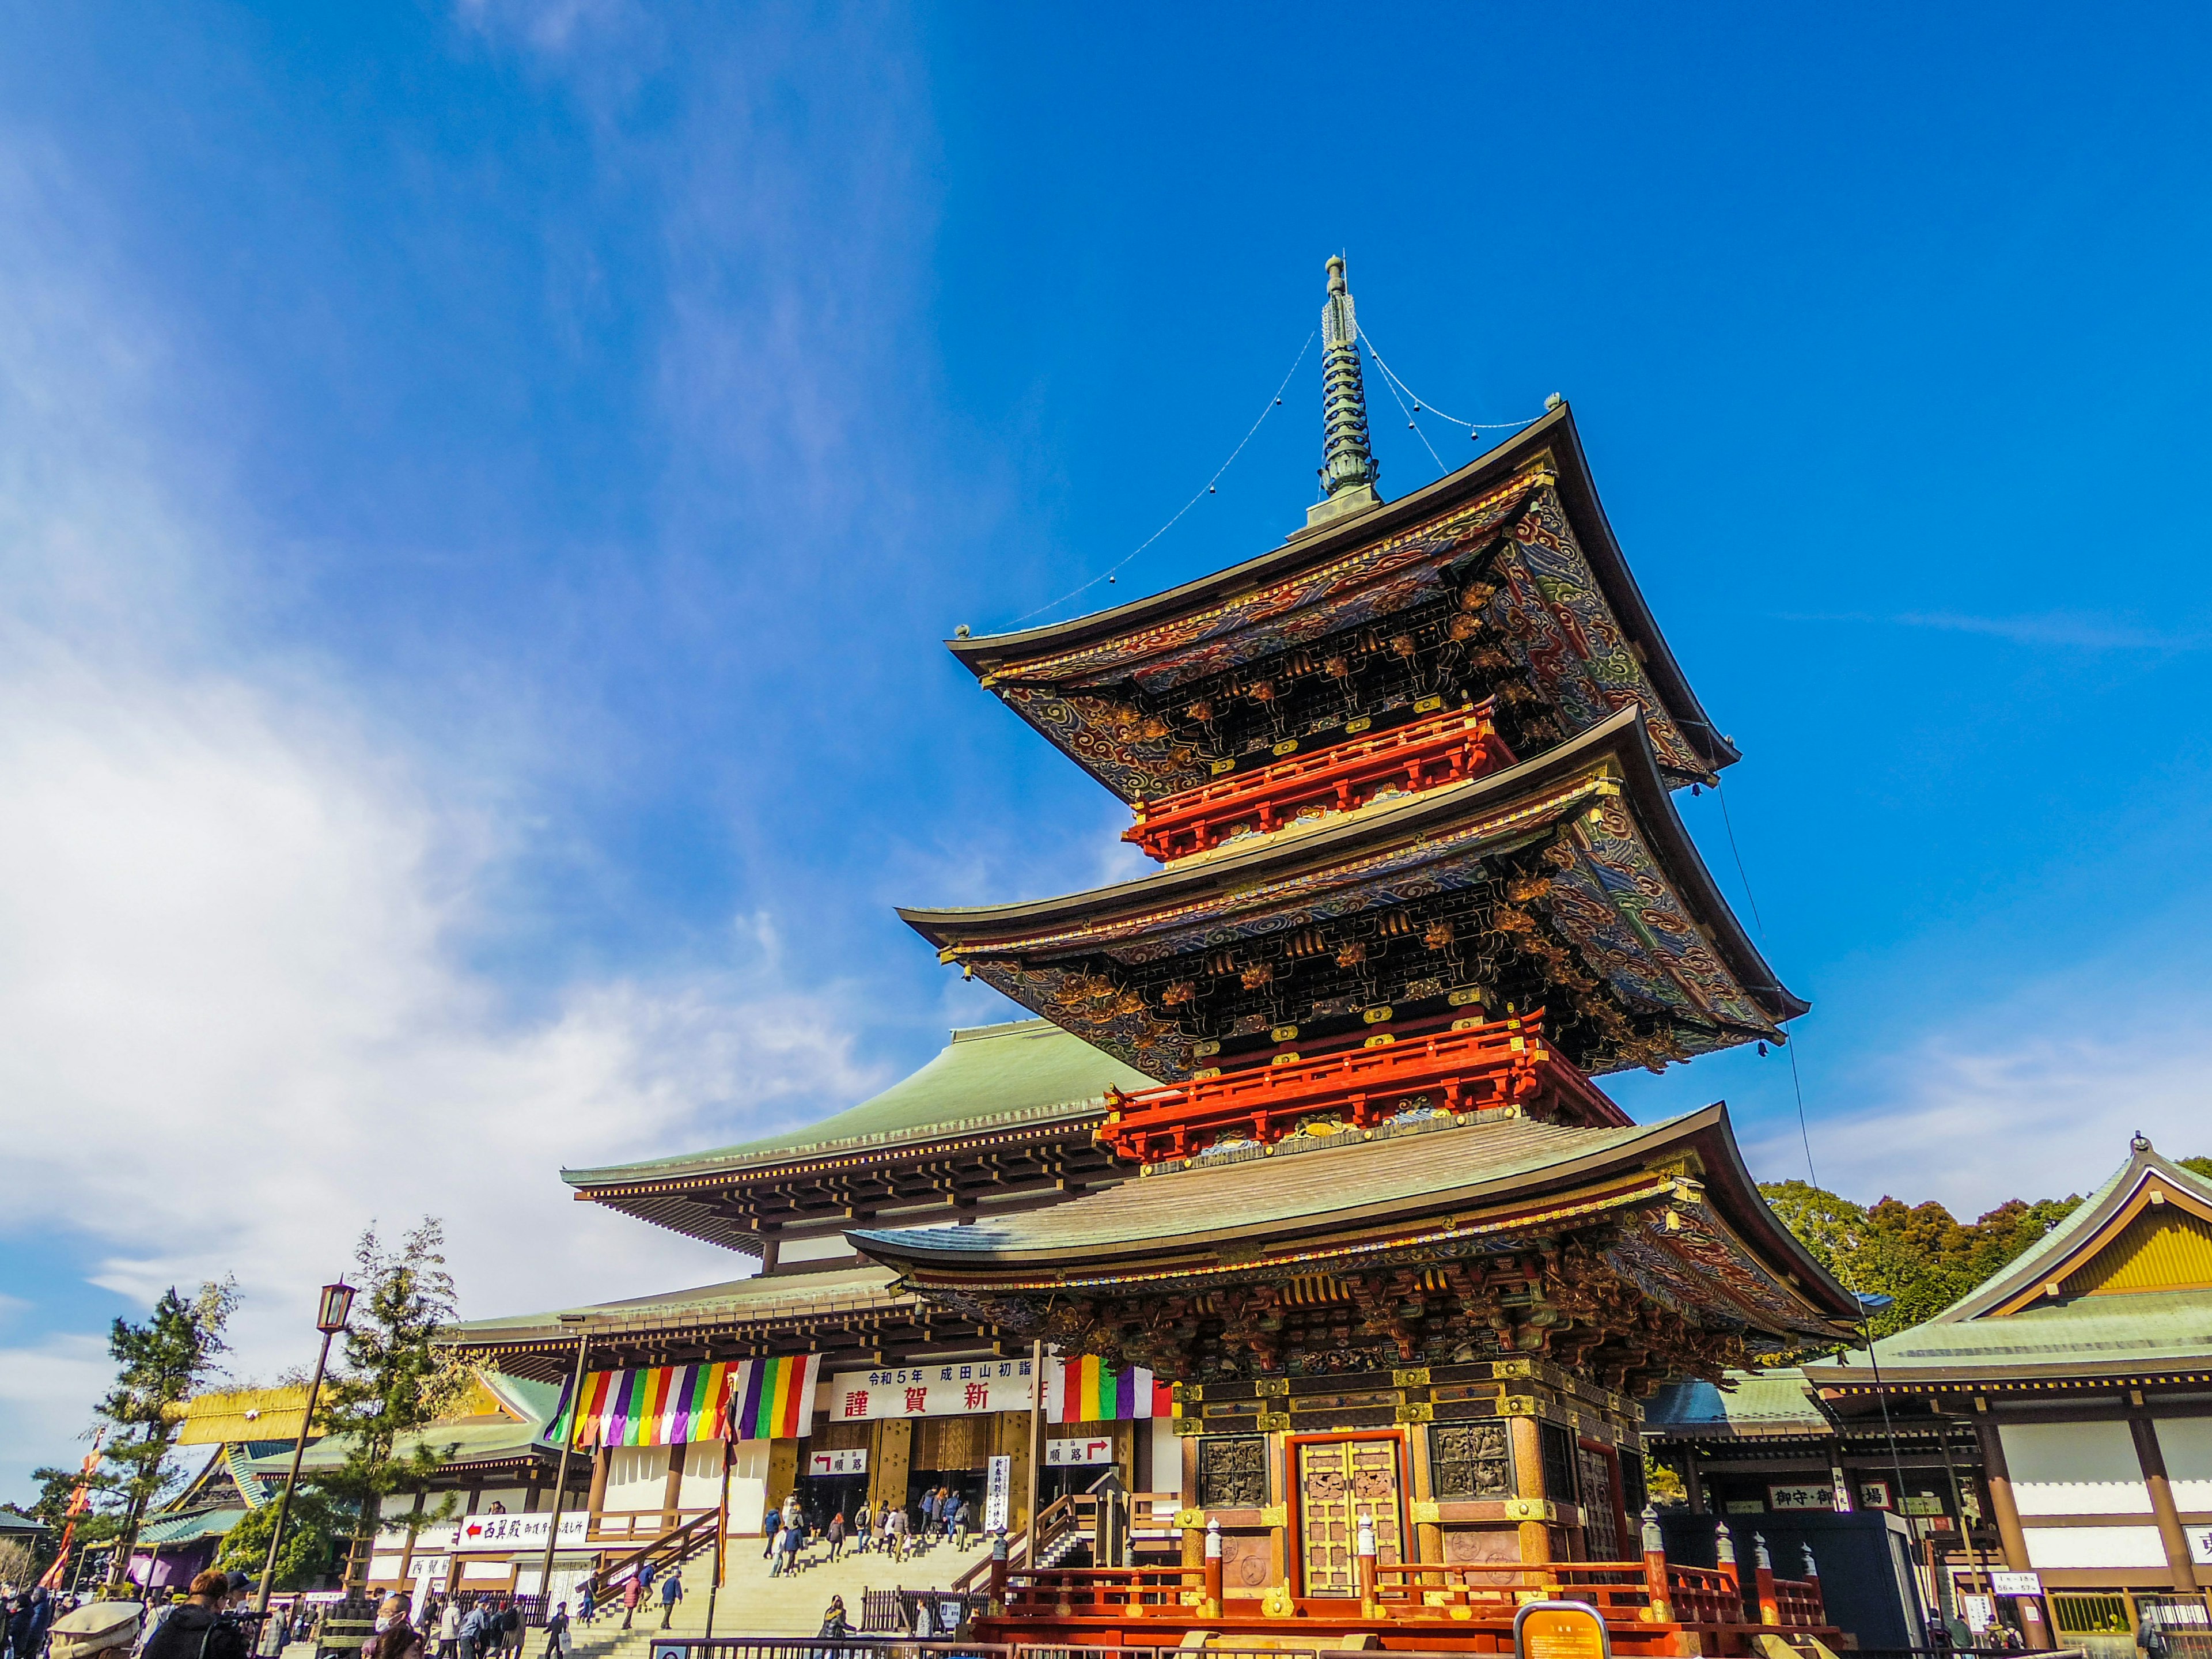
[751, 1603]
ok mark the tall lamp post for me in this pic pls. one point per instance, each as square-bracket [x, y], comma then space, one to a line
[561, 1478]
[331, 1315]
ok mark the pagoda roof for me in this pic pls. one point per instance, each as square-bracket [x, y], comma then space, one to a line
[1352, 1197]
[1355, 571]
[1026, 1079]
[1694, 963]
[1767, 1405]
[2121, 1287]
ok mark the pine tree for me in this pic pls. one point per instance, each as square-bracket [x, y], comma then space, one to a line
[159, 1364]
[393, 1381]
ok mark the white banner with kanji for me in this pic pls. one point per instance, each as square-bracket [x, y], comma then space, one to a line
[982, 1385]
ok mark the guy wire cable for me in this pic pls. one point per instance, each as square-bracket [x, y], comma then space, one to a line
[1273, 403]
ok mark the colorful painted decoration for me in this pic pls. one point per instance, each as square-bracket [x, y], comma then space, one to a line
[1088, 1390]
[675, 1404]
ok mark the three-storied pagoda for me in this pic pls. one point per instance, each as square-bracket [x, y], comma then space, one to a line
[1408, 779]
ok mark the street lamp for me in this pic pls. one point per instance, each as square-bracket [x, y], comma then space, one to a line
[330, 1314]
[561, 1477]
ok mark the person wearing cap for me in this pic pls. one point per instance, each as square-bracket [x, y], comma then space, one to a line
[197, 1630]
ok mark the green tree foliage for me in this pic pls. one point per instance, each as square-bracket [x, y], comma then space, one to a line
[2197, 1165]
[394, 1382]
[1918, 1254]
[159, 1365]
[314, 1531]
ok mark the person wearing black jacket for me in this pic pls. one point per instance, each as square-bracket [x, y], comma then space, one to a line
[197, 1630]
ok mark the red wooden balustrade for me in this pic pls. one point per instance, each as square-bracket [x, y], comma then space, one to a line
[1623, 1592]
[1503, 1062]
[1460, 743]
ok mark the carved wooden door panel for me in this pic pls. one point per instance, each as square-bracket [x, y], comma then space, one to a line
[1339, 1481]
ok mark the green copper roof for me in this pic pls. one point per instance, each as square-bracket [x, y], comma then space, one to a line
[732, 1302]
[2151, 1327]
[988, 1075]
[188, 1528]
[469, 1440]
[2106, 1333]
[1756, 1404]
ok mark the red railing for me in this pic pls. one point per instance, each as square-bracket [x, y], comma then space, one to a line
[1347, 775]
[1503, 1062]
[1101, 1592]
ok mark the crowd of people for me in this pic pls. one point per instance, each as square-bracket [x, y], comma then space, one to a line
[883, 1528]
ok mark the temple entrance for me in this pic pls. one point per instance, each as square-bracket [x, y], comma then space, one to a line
[1339, 1480]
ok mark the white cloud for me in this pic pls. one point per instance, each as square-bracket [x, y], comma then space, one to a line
[237, 1017]
[2033, 1099]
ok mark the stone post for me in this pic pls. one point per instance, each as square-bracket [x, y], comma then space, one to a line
[1655, 1567]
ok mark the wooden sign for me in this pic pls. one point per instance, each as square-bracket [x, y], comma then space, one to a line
[1559, 1630]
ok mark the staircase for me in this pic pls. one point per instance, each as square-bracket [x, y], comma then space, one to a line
[751, 1603]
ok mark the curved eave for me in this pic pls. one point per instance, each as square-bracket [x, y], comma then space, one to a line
[917, 1254]
[1578, 493]
[1622, 738]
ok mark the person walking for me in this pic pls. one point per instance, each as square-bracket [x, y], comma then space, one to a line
[895, 1526]
[510, 1628]
[671, 1592]
[630, 1592]
[836, 1534]
[557, 1632]
[928, 1511]
[961, 1516]
[449, 1631]
[794, 1536]
[863, 1520]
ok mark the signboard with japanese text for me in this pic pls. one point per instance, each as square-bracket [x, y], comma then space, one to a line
[2016, 1584]
[519, 1531]
[997, 1485]
[851, 1460]
[1062, 1454]
[984, 1385]
[1874, 1494]
[1808, 1496]
[1559, 1630]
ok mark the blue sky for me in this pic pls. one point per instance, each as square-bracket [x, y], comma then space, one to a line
[481, 486]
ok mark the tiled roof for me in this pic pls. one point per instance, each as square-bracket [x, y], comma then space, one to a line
[988, 1076]
[776, 1295]
[1757, 1404]
[1336, 1183]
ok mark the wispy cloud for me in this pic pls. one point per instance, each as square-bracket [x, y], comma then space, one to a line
[239, 1019]
[2029, 1099]
[2076, 630]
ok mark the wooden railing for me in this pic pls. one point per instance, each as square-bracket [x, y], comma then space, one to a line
[677, 1544]
[1100, 1592]
[1152, 1514]
[613, 1526]
[1502, 1062]
[1443, 748]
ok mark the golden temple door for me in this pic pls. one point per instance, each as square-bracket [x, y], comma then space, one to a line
[1339, 1481]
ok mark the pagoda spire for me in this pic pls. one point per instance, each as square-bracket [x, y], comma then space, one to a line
[1348, 469]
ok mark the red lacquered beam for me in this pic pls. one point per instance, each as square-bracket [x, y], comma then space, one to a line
[1499, 1063]
[1460, 743]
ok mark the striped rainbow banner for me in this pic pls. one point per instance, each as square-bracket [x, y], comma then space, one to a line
[1086, 1390]
[675, 1404]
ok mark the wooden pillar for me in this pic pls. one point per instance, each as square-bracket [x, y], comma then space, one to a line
[602, 1460]
[1690, 1484]
[888, 1461]
[2152, 1459]
[1998, 1476]
[674, 1488]
[1428, 1535]
[1282, 1478]
[1528, 1483]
